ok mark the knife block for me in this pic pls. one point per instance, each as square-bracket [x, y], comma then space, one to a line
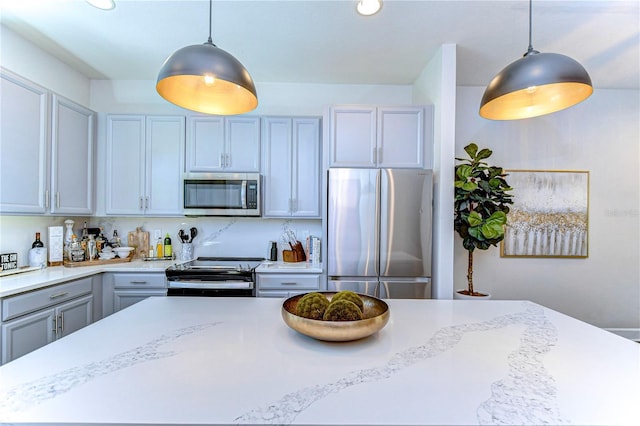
[294, 255]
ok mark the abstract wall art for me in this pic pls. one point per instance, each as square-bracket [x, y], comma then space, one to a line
[549, 215]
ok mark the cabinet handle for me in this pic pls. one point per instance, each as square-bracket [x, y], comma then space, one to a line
[375, 156]
[61, 322]
[140, 203]
[146, 202]
[227, 162]
[221, 163]
[46, 199]
[289, 283]
[55, 296]
[55, 325]
[379, 155]
[57, 199]
[138, 282]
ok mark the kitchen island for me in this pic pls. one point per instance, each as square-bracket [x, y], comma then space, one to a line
[233, 360]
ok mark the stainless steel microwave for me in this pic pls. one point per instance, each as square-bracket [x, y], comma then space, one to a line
[221, 194]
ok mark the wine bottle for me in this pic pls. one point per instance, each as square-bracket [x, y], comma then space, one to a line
[167, 246]
[37, 242]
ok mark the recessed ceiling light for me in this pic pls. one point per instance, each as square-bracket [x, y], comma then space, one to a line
[102, 4]
[368, 7]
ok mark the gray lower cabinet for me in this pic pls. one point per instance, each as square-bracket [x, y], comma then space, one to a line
[121, 290]
[286, 284]
[32, 320]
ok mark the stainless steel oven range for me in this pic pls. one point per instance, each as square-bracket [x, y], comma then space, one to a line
[214, 277]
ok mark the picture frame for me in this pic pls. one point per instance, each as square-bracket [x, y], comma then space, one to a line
[549, 216]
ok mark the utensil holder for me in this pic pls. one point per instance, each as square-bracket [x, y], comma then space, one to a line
[295, 255]
[187, 251]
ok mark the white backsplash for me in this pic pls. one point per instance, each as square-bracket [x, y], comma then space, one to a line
[217, 236]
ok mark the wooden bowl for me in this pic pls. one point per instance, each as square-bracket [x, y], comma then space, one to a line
[375, 313]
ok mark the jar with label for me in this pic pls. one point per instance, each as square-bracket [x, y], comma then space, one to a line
[75, 250]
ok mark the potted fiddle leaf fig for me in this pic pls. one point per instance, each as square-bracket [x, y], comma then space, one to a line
[481, 206]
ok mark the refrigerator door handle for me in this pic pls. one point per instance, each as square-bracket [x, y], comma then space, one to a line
[378, 223]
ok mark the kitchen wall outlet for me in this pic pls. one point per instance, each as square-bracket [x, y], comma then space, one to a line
[157, 233]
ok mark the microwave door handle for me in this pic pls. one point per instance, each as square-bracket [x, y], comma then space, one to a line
[243, 194]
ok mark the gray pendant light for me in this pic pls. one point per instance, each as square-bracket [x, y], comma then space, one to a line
[536, 84]
[205, 78]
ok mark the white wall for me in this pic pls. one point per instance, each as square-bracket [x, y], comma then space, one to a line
[29, 61]
[437, 85]
[600, 135]
[140, 97]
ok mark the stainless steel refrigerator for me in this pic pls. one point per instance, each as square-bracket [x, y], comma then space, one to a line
[379, 232]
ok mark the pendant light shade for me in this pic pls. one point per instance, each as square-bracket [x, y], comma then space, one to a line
[534, 85]
[205, 78]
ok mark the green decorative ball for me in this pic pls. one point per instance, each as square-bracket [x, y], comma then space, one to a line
[350, 296]
[312, 305]
[342, 310]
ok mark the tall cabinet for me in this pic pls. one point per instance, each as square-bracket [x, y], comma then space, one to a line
[47, 146]
[380, 136]
[291, 166]
[144, 165]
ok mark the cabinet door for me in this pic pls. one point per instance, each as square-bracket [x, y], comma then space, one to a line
[74, 315]
[165, 138]
[352, 142]
[400, 137]
[28, 333]
[125, 164]
[205, 144]
[72, 144]
[23, 145]
[276, 166]
[243, 144]
[306, 167]
[125, 298]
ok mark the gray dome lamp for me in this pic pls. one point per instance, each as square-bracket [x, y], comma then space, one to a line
[205, 78]
[534, 85]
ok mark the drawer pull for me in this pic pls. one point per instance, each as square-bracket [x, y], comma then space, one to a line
[55, 296]
[289, 283]
[138, 282]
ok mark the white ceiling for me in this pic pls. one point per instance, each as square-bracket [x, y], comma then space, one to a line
[328, 42]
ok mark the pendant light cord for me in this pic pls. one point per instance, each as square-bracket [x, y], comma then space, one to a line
[210, 19]
[530, 50]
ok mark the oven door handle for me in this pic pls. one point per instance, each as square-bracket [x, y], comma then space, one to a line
[211, 284]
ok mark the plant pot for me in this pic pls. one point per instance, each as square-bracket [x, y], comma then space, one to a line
[481, 296]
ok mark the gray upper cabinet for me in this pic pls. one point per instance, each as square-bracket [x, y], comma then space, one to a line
[23, 146]
[144, 164]
[370, 136]
[47, 151]
[291, 166]
[223, 144]
[72, 157]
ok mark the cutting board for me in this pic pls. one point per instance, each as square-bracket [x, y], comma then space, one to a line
[140, 240]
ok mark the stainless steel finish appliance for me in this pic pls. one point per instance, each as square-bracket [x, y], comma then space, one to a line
[214, 277]
[379, 232]
[221, 194]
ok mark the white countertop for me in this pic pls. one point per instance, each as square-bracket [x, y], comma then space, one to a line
[233, 360]
[268, 267]
[19, 283]
[33, 280]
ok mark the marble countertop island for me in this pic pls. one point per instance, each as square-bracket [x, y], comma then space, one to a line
[234, 361]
